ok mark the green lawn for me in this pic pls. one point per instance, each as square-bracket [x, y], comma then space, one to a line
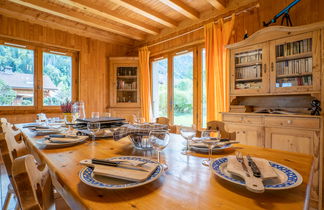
[184, 119]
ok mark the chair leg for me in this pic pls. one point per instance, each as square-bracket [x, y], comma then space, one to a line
[7, 201]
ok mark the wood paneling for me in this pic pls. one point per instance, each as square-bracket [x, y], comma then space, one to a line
[93, 69]
[305, 12]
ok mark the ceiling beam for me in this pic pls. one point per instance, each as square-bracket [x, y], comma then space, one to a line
[44, 6]
[20, 13]
[182, 8]
[86, 6]
[145, 11]
[218, 4]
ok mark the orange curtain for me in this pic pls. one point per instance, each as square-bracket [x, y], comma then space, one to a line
[145, 83]
[217, 35]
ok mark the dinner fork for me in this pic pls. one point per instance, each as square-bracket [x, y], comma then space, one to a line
[240, 159]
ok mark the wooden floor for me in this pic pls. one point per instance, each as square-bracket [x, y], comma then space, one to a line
[4, 181]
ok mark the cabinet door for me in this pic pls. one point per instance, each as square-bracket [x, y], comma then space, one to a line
[124, 82]
[248, 135]
[291, 140]
[125, 113]
[249, 70]
[295, 63]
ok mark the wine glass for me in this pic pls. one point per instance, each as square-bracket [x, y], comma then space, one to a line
[187, 133]
[210, 138]
[159, 139]
[107, 114]
[93, 128]
[95, 115]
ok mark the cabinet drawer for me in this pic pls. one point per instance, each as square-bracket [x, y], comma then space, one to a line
[232, 118]
[253, 120]
[293, 122]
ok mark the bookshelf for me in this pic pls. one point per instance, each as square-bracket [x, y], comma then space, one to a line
[249, 69]
[124, 82]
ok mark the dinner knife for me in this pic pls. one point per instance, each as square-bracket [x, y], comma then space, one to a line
[254, 167]
[95, 161]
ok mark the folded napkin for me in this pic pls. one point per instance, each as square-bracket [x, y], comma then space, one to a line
[235, 167]
[66, 139]
[121, 172]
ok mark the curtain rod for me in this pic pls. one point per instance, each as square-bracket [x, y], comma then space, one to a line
[201, 27]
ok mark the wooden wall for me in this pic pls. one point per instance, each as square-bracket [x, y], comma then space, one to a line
[93, 56]
[305, 12]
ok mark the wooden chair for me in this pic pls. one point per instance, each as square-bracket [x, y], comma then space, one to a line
[11, 146]
[34, 186]
[166, 121]
[220, 126]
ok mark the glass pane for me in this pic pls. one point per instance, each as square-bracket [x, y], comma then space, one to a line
[16, 76]
[248, 69]
[183, 89]
[294, 64]
[57, 79]
[204, 87]
[126, 84]
[160, 88]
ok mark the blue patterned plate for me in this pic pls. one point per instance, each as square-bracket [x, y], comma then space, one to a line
[86, 175]
[287, 177]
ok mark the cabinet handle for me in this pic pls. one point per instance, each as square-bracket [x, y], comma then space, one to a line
[265, 68]
[272, 66]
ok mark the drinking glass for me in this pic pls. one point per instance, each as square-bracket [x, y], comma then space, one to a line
[106, 114]
[95, 115]
[210, 138]
[187, 133]
[93, 128]
[159, 139]
[69, 121]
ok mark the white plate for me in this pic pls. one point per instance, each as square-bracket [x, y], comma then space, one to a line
[48, 144]
[287, 177]
[205, 149]
[86, 175]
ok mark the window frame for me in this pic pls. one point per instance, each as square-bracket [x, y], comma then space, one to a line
[39, 49]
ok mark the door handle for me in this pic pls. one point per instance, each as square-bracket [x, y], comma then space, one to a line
[272, 67]
[265, 68]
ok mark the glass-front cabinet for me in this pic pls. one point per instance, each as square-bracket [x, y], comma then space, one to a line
[124, 82]
[295, 64]
[249, 69]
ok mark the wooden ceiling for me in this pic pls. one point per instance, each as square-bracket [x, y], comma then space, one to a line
[119, 21]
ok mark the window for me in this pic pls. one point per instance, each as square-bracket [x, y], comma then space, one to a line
[16, 76]
[183, 89]
[160, 87]
[25, 84]
[57, 79]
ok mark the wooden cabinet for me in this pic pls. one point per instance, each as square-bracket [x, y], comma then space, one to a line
[276, 66]
[249, 72]
[292, 133]
[124, 83]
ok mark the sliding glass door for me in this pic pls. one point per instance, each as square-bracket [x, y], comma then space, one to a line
[183, 89]
[179, 87]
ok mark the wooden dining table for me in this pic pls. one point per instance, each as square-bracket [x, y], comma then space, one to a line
[187, 184]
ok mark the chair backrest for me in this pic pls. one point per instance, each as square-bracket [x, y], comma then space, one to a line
[34, 185]
[11, 144]
[163, 120]
[220, 126]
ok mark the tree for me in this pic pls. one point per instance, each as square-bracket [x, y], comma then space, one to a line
[7, 95]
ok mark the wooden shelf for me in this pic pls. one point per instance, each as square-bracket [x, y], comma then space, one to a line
[294, 75]
[127, 90]
[294, 57]
[249, 79]
[253, 63]
[127, 77]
